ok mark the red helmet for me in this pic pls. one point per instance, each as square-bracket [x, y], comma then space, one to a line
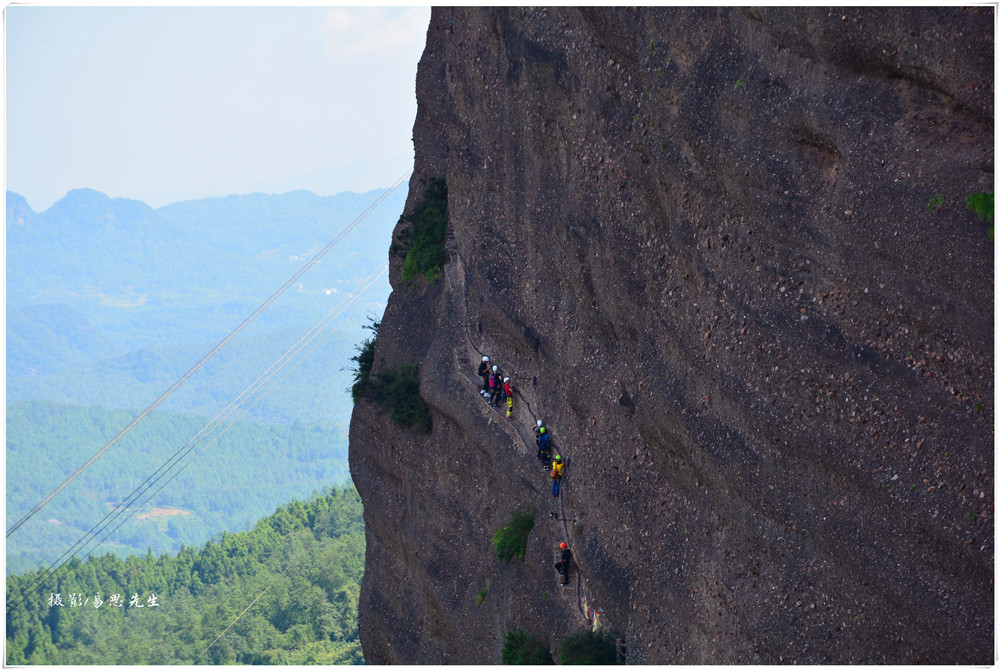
[562, 546]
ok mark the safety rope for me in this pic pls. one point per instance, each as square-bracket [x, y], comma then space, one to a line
[466, 326]
[197, 366]
[468, 336]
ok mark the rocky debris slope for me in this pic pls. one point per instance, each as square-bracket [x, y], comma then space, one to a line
[726, 254]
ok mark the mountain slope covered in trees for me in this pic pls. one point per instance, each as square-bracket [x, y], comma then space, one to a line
[232, 482]
[305, 563]
[110, 301]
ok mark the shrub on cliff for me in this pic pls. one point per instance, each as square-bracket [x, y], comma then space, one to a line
[364, 359]
[588, 648]
[982, 205]
[519, 648]
[423, 242]
[398, 389]
[511, 541]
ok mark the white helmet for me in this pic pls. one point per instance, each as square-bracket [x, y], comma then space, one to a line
[494, 368]
[539, 422]
[506, 379]
[486, 359]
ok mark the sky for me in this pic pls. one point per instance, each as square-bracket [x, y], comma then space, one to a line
[163, 104]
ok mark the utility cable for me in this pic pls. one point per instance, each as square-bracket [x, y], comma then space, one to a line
[288, 356]
[318, 329]
[273, 582]
[197, 366]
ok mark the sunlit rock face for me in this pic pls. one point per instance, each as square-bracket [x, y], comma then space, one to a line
[727, 256]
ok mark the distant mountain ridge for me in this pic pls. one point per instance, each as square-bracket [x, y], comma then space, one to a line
[19, 212]
[186, 272]
[312, 392]
[110, 301]
[57, 250]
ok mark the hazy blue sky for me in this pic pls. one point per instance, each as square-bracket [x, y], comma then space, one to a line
[168, 103]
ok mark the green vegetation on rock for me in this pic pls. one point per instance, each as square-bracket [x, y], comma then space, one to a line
[511, 541]
[588, 648]
[398, 390]
[423, 242]
[519, 648]
[364, 359]
[982, 204]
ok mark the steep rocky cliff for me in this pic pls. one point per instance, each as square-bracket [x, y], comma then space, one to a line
[726, 256]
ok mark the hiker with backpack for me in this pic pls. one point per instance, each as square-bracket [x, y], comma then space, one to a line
[543, 446]
[562, 567]
[496, 387]
[484, 372]
[508, 395]
[556, 474]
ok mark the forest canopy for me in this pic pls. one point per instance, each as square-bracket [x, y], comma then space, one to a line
[305, 562]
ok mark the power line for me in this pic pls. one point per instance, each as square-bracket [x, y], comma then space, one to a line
[247, 393]
[267, 303]
[273, 582]
[262, 380]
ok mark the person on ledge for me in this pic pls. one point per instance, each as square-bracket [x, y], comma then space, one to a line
[563, 565]
[508, 394]
[496, 387]
[556, 474]
[543, 446]
[484, 372]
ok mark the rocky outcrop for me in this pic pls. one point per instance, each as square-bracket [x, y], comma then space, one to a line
[704, 241]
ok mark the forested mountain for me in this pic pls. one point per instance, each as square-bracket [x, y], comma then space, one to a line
[310, 392]
[191, 271]
[110, 301]
[246, 473]
[47, 337]
[305, 562]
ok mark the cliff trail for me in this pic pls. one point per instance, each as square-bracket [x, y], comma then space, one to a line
[728, 256]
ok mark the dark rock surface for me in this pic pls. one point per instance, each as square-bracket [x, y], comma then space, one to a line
[701, 240]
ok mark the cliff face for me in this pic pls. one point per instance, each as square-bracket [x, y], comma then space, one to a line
[704, 243]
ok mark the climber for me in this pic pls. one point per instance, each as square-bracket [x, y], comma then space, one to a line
[496, 387]
[563, 565]
[491, 378]
[508, 394]
[543, 446]
[536, 430]
[556, 474]
[484, 372]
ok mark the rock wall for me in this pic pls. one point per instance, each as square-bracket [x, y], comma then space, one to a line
[704, 243]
